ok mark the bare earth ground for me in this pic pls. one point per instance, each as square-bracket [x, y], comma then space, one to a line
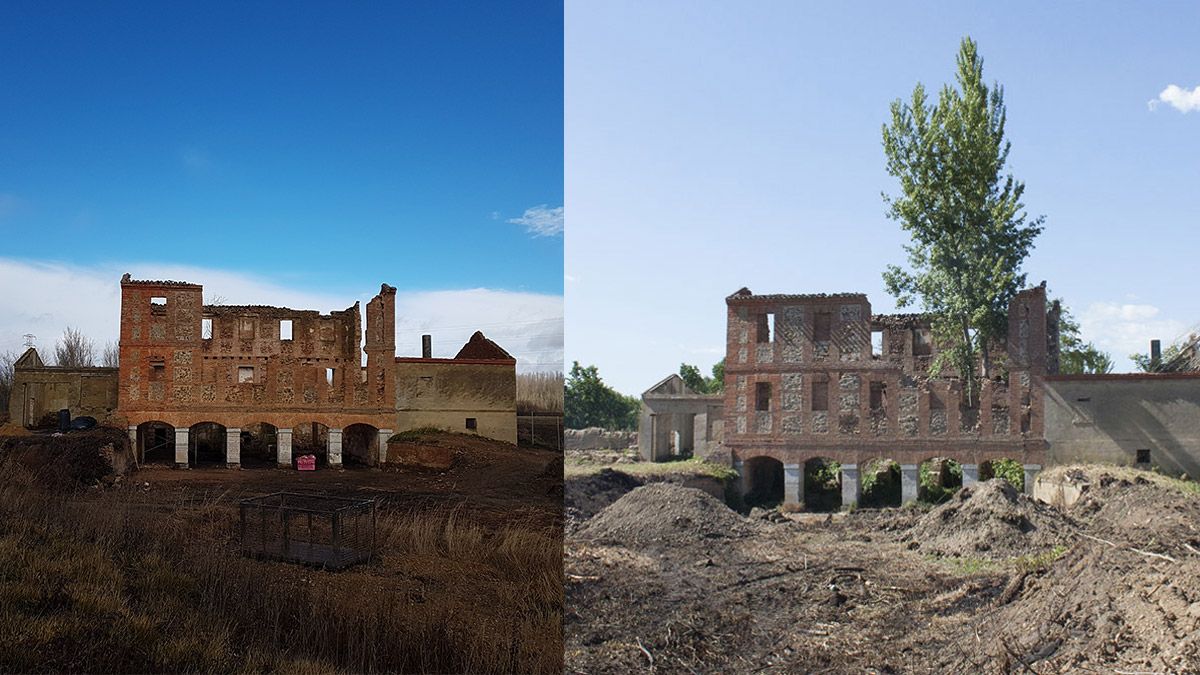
[490, 483]
[666, 579]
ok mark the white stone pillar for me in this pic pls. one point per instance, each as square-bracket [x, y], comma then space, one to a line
[384, 435]
[133, 445]
[793, 484]
[1031, 472]
[283, 451]
[851, 486]
[233, 447]
[181, 448]
[910, 481]
[335, 447]
[970, 474]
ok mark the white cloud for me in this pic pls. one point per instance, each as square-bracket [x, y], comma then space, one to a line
[44, 298]
[541, 220]
[1177, 97]
[1124, 329]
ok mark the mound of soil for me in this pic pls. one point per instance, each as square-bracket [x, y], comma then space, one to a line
[70, 460]
[10, 429]
[586, 496]
[664, 513]
[990, 520]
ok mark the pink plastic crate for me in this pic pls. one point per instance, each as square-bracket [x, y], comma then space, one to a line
[306, 463]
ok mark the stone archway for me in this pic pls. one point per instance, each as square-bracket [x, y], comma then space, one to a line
[763, 482]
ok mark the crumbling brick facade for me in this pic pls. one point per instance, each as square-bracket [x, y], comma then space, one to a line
[805, 379]
[201, 378]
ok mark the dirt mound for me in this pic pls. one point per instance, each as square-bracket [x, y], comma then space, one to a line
[66, 461]
[665, 513]
[587, 495]
[990, 520]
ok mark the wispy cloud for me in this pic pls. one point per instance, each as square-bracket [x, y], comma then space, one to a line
[1122, 329]
[56, 295]
[1183, 100]
[541, 220]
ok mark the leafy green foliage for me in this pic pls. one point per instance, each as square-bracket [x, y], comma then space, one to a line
[822, 484]
[1010, 470]
[967, 222]
[1143, 363]
[1074, 355]
[588, 402]
[701, 384]
[880, 483]
[935, 488]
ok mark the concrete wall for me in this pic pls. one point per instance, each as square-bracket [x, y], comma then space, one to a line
[84, 391]
[443, 393]
[1109, 418]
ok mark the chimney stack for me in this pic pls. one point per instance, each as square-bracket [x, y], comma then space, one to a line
[1155, 354]
[427, 346]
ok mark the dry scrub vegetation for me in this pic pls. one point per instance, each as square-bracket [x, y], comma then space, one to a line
[539, 393]
[102, 580]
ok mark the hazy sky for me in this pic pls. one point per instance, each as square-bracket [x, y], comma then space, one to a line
[715, 145]
[286, 151]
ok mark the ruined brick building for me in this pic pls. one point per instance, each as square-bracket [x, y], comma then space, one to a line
[229, 384]
[811, 377]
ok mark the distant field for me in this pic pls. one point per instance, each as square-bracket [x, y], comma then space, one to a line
[145, 576]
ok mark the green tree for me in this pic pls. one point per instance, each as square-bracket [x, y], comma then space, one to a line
[969, 230]
[588, 402]
[1074, 355]
[701, 384]
[1143, 363]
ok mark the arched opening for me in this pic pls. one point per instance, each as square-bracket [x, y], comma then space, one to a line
[156, 443]
[1009, 469]
[311, 439]
[360, 445]
[206, 443]
[822, 484]
[880, 484]
[937, 479]
[260, 445]
[763, 482]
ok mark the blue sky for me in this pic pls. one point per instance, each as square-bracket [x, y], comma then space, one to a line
[714, 145]
[318, 148]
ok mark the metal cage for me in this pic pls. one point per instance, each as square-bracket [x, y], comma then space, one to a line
[328, 532]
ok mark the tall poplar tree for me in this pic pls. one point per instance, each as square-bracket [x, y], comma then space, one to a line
[969, 229]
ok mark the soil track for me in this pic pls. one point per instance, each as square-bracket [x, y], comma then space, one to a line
[1114, 584]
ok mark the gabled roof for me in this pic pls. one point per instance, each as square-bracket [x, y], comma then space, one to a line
[479, 347]
[30, 359]
[671, 385]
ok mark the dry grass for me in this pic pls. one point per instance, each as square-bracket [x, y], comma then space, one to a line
[539, 393]
[99, 582]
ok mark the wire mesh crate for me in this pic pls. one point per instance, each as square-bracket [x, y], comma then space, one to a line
[328, 532]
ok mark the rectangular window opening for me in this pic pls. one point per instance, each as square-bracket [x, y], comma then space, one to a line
[245, 374]
[285, 329]
[822, 322]
[921, 346]
[329, 376]
[158, 301]
[876, 343]
[878, 396]
[1143, 456]
[766, 327]
[157, 370]
[936, 402]
[820, 395]
[471, 423]
[762, 396]
[1084, 399]
[205, 329]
